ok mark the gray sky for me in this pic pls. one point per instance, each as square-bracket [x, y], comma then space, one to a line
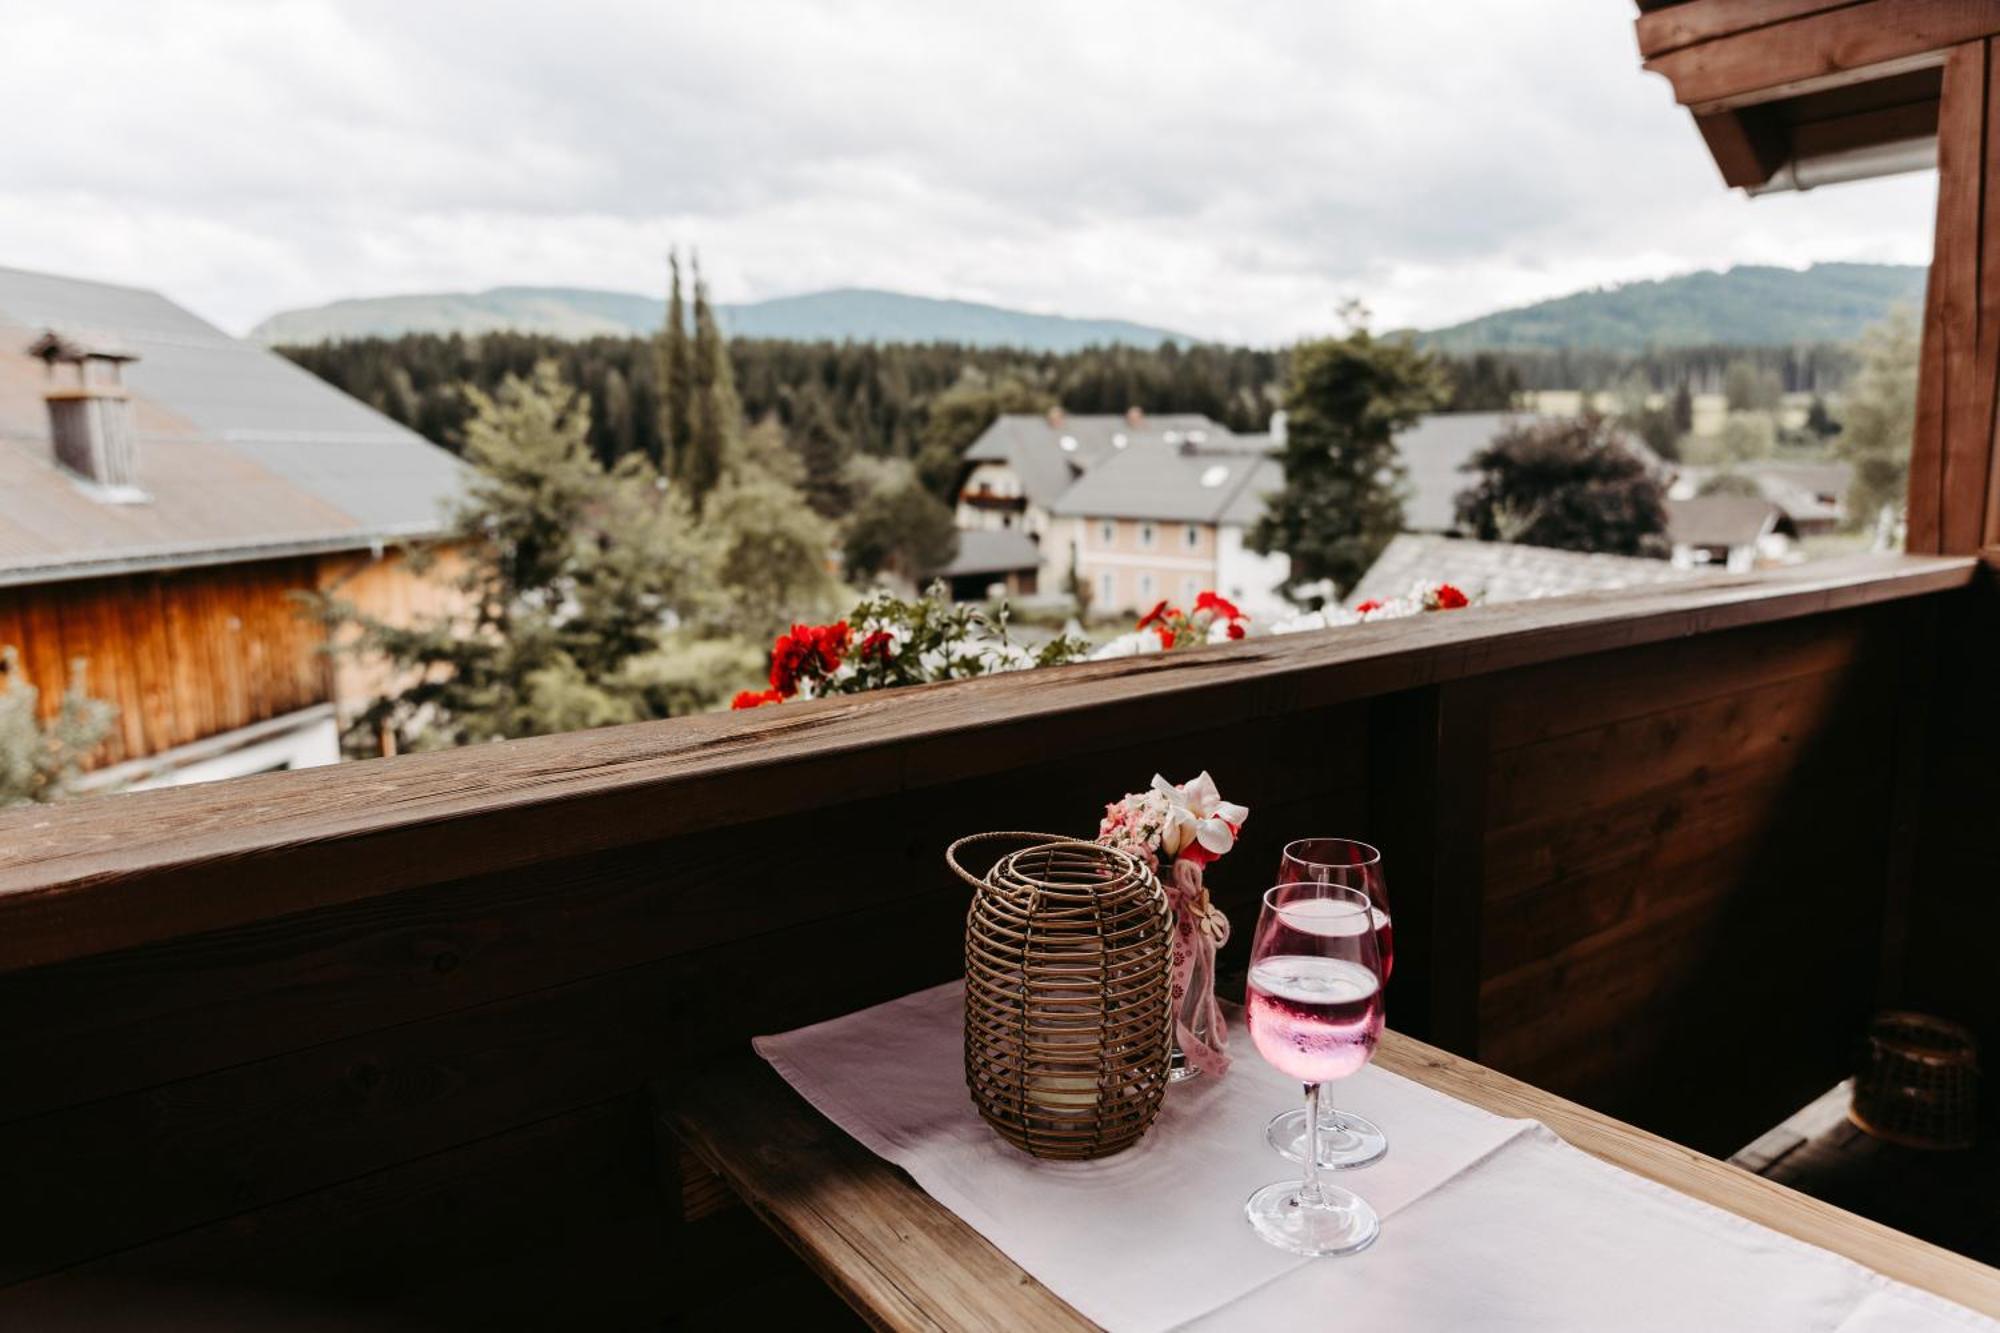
[1230, 170]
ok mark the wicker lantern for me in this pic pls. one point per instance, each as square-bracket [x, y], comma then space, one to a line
[1068, 1012]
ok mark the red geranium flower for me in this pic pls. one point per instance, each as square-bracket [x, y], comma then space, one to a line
[1450, 598]
[808, 650]
[1235, 629]
[1166, 634]
[1159, 612]
[877, 644]
[1370, 605]
[1216, 602]
[755, 698]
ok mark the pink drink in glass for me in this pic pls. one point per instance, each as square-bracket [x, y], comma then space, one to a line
[1353, 864]
[1314, 1019]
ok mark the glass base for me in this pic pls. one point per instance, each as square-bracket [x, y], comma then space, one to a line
[1345, 1141]
[1343, 1224]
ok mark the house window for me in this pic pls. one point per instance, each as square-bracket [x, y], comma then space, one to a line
[1107, 533]
[1145, 587]
[1193, 537]
[1146, 536]
[1106, 588]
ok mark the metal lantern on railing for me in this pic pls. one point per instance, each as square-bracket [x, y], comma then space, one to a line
[1068, 1006]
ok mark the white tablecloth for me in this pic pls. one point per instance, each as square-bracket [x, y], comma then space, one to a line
[1487, 1224]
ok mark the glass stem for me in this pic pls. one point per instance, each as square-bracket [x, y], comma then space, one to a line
[1309, 1195]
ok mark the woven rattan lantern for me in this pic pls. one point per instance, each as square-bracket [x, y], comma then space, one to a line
[1919, 1082]
[1068, 1009]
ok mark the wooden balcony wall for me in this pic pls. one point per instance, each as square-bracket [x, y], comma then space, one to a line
[382, 1038]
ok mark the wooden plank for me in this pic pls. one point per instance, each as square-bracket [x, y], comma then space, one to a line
[102, 875]
[899, 1258]
[1748, 145]
[127, 1020]
[838, 1205]
[1586, 693]
[1972, 357]
[1583, 771]
[1692, 21]
[556, 1225]
[1821, 49]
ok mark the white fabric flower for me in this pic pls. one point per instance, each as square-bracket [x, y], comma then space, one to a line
[1196, 812]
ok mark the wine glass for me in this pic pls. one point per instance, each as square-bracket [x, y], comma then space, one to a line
[1314, 1011]
[1345, 1140]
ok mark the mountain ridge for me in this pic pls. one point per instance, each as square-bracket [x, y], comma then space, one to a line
[1748, 304]
[858, 314]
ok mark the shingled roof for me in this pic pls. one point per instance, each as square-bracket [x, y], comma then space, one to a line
[1150, 479]
[1502, 571]
[1049, 453]
[242, 455]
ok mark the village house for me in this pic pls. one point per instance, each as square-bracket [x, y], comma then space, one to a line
[167, 494]
[1126, 510]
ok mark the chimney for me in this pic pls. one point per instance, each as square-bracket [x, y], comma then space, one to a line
[90, 416]
[1134, 418]
[1056, 418]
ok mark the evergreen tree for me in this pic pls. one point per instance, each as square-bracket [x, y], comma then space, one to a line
[1341, 502]
[1682, 409]
[1569, 484]
[1881, 412]
[571, 576]
[717, 416]
[676, 376]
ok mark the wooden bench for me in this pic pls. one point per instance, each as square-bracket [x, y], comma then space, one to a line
[903, 1261]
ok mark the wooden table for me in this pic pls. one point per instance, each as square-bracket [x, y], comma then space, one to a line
[903, 1261]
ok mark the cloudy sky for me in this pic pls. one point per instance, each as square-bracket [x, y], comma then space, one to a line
[1229, 170]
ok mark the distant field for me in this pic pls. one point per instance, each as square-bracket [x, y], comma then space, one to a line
[1710, 409]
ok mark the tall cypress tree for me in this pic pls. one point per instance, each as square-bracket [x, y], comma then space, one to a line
[717, 413]
[676, 378]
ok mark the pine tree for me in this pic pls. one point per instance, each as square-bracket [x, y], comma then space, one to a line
[676, 375]
[1341, 502]
[717, 416]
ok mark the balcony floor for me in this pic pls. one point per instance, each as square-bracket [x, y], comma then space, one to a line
[1942, 1197]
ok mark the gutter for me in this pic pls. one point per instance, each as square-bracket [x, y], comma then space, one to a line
[140, 560]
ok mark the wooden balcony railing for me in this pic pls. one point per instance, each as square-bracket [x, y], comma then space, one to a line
[1654, 850]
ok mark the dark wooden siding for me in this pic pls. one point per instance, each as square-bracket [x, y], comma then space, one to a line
[1649, 875]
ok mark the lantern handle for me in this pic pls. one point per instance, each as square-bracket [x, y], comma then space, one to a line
[1033, 839]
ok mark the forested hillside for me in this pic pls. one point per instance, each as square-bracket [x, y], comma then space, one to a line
[926, 402]
[1749, 305]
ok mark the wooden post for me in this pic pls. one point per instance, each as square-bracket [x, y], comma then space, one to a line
[1954, 504]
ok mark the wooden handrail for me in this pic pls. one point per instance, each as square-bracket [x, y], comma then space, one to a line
[116, 872]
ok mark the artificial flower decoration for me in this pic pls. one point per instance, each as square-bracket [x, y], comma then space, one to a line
[1200, 825]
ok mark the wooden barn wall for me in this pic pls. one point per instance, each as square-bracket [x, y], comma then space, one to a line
[1685, 856]
[435, 1106]
[183, 654]
[392, 588]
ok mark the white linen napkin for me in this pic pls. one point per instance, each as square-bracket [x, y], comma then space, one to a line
[1487, 1223]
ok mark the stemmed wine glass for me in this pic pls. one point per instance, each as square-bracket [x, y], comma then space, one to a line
[1345, 1140]
[1315, 1012]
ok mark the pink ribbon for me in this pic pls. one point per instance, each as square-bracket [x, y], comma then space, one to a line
[1199, 930]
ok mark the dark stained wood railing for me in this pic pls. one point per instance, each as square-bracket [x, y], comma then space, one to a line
[382, 1036]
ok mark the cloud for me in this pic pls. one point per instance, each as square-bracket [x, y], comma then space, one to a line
[1230, 171]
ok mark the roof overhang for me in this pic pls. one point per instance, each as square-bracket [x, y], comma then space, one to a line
[146, 560]
[1790, 94]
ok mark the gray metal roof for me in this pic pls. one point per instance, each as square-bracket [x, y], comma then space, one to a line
[1171, 483]
[239, 449]
[1502, 571]
[1722, 520]
[1035, 445]
[1001, 552]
